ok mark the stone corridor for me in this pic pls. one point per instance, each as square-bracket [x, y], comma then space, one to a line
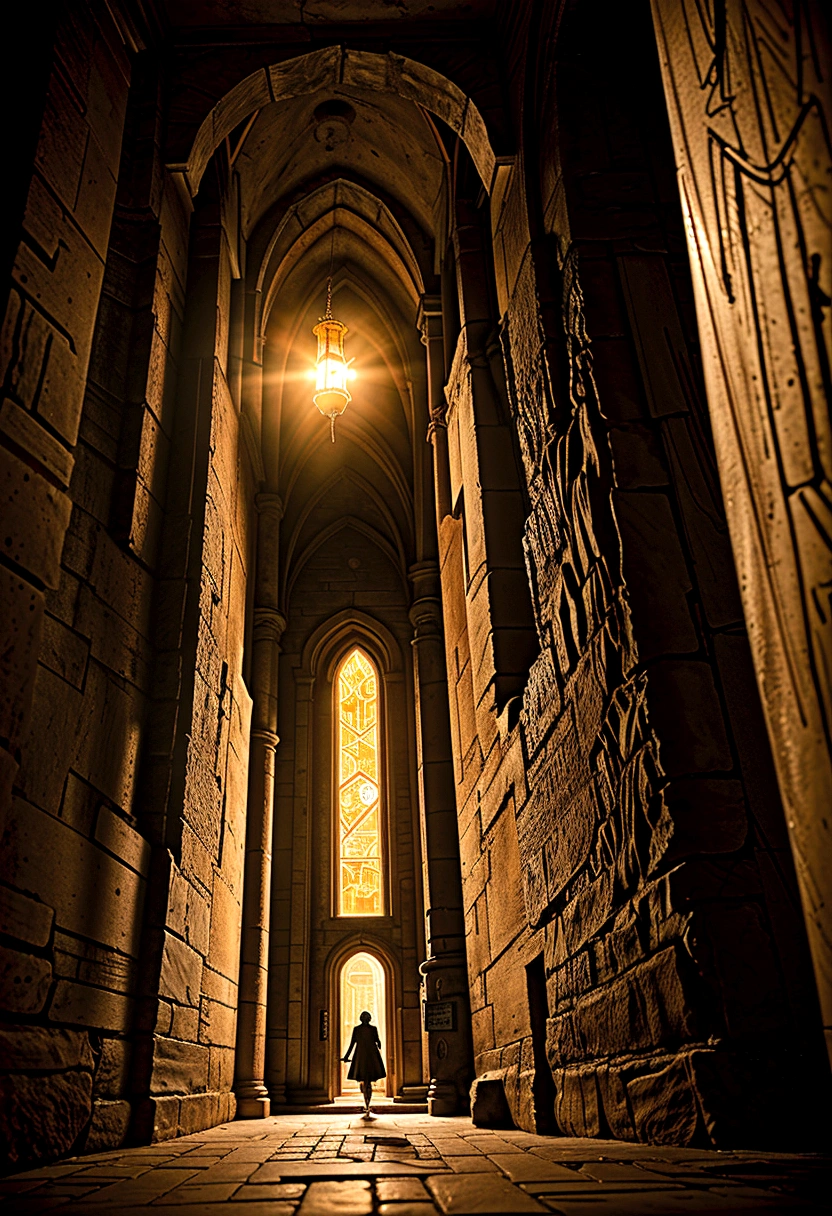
[411, 1165]
[489, 696]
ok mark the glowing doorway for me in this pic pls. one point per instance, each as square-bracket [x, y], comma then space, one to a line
[362, 987]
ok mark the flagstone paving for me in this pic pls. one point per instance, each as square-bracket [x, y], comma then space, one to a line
[411, 1165]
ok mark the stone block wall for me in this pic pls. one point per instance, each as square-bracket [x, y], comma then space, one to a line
[74, 616]
[126, 718]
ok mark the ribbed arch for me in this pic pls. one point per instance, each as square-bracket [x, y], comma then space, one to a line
[293, 554]
[326, 534]
[340, 206]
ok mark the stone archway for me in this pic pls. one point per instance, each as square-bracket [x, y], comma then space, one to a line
[387, 1015]
[333, 66]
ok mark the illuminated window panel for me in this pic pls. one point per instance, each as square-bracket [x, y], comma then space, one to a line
[359, 812]
[362, 987]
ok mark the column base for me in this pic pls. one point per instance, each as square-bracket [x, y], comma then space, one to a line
[442, 1098]
[412, 1093]
[253, 1108]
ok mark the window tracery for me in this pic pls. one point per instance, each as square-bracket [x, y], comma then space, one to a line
[359, 809]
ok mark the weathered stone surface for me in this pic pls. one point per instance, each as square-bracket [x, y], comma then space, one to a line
[181, 974]
[226, 913]
[111, 1076]
[189, 913]
[489, 1107]
[20, 624]
[24, 981]
[85, 1005]
[37, 1049]
[43, 1116]
[217, 1023]
[35, 516]
[664, 1107]
[179, 1067]
[648, 1007]
[35, 839]
[480, 1193]
[122, 840]
[576, 1103]
[25, 918]
[699, 816]
[353, 1198]
[109, 1127]
[64, 652]
[28, 434]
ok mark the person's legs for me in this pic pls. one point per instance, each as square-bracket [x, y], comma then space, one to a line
[367, 1090]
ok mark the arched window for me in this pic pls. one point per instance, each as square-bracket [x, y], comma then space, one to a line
[359, 865]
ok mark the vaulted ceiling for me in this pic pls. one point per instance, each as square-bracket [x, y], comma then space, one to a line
[338, 161]
[354, 183]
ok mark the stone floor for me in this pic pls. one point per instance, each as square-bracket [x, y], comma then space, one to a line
[411, 1165]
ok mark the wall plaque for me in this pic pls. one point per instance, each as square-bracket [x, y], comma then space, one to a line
[439, 1015]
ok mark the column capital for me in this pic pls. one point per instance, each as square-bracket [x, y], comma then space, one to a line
[437, 422]
[269, 624]
[426, 618]
[429, 317]
[425, 579]
[269, 504]
[268, 737]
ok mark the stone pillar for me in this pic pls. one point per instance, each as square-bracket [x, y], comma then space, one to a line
[445, 971]
[429, 321]
[750, 177]
[249, 1087]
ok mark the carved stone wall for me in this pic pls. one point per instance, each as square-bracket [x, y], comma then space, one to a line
[649, 843]
[749, 103]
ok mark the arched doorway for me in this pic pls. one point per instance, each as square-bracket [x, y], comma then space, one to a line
[361, 985]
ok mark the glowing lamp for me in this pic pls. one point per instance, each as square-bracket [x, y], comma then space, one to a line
[331, 393]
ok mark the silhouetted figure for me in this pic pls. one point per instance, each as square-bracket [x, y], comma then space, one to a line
[367, 1065]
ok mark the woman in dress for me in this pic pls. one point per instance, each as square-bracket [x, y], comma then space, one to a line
[367, 1065]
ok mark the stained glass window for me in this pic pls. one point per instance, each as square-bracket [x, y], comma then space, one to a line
[359, 812]
[362, 987]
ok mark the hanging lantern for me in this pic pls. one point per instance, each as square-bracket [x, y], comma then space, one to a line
[331, 393]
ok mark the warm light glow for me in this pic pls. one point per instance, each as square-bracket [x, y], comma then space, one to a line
[331, 393]
[362, 987]
[359, 811]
